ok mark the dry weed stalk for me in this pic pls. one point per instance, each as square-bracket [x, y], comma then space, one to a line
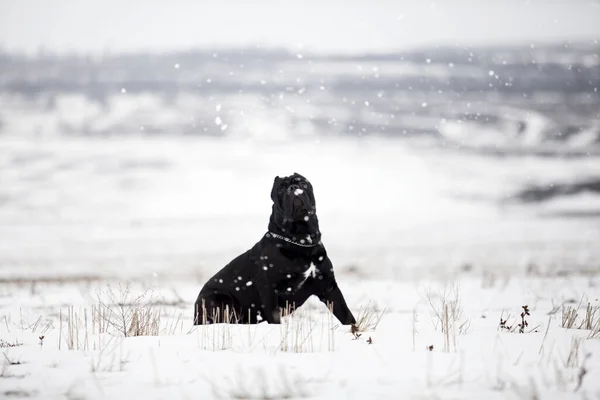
[296, 331]
[446, 329]
[447, 314]
[573, 358]
[330, 328]
[448, 301]
[74, 327]
[172, 324]
[415, 320]
[216, 334]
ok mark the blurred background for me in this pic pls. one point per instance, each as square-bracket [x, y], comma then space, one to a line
[140, 139]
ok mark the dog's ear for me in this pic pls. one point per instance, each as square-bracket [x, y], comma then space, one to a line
[276, 183]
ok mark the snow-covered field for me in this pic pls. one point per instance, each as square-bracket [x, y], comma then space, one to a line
[309, 356]
[400, 221]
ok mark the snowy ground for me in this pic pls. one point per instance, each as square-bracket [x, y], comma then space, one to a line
[309, 358]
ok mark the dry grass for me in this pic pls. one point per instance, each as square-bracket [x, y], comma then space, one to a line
[217, 335]
[4, 344]
[368, 318]
[127, 313]
[117, 312]
[296, 331]
[590, 320]
[569, 317]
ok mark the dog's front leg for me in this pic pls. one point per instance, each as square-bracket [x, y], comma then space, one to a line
[332, 295]
[334, 299]
[269, 299]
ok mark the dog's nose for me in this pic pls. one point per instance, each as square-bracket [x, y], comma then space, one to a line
[293, 188]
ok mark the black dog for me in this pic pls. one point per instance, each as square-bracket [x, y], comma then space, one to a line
[281, 271]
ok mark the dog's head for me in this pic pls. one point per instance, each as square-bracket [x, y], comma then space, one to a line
[293, 196]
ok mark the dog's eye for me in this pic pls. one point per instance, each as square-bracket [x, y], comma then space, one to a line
[281, 190]
[305, 186]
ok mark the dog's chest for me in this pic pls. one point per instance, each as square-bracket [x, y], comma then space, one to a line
[299, 276]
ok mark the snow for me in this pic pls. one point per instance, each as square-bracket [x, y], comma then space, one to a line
[309, 355]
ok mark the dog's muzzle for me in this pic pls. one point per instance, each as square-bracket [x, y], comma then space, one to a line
[297, 203]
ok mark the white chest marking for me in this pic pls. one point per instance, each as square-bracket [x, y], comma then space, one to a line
[310, 271]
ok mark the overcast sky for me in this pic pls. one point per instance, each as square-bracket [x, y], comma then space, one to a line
[325, 25]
